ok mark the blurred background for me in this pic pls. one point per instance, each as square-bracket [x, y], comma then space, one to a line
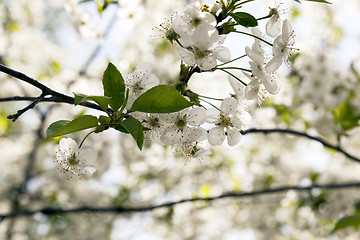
[66, 45]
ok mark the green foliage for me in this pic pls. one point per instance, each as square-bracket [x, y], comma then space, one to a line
[345, 115]
[63, 127]
[114, 86]
[347, 221]
[134, 127]
[194, 98]
[160, 99]
[244, 19]
[103, 101]
[314, 200]
[284, 113]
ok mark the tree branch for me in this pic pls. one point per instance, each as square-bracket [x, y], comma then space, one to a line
[46, 91]
[14, 117]
[303, 134]
[124, 209]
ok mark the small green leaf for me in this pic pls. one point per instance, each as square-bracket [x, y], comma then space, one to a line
[103, 101]
[244, 19]
[134, 127]
[347, 221]
[114, 86]
[55, 126]
[63, 127]
[345, 115]
[160, 99]
[121, 128]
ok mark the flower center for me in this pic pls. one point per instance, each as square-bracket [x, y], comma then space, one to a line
[72, 160]
[200, 53]
[181, 122]
[153, 122]
[224, 121]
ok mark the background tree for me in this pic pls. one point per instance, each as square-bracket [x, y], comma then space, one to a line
[293, 175]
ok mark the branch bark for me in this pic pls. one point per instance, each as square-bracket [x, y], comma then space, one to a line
[125, 209]
[46, 91]
[305, 135]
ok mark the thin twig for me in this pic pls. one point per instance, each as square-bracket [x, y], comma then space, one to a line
[124, 209]
[14, 117]
[303, 134]
[46, 91]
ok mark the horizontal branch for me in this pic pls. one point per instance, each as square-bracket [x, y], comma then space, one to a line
[303, 134]
[124, 209]
[46, 91]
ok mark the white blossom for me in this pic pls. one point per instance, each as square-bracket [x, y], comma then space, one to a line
[282, 47]
[153, 125]
[193, 151]
[139, 81]
[230, 118]
[74, 161]
[203, 50]
[183, 126]
[273, 26]
[258, 69]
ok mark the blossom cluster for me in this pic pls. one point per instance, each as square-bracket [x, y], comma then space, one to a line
[199, 43]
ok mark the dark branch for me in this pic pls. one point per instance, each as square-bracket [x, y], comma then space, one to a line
[30, 106]
[17, 98]
[55, 96]
[121, 209]
[302, 134]
[23, 77]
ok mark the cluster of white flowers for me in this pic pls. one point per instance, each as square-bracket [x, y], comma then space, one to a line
[199, 40]
[199, 44]
[263, 71]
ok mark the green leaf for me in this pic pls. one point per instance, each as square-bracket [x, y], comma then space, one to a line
[134, 127]
[244, 19]
[345, 115]
[63, 127]
[55, 126]
[347, 221]
[121, 128]
[114, 86]
[103, 101]
[160, 99]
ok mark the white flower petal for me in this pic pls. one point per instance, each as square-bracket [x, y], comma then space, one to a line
[273, 26]
[216, 136]
[287, 30]
[233, 136]
[149, 81]
[222, 53]
[192, 134]
[229, 105]
[253, 55]
[196, 116]
[187, 56]
[207, 63]
[271, 85]
[273, 64]
[212, 115]
[251, 90]
[205, 36]
[68, 146]
[237, 86]
[88, 170]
